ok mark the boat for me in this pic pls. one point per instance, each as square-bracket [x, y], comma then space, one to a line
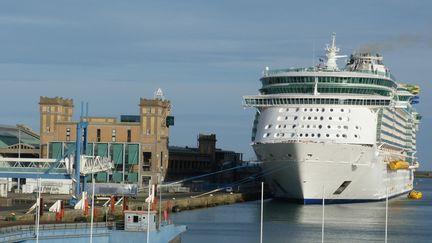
[339, 134]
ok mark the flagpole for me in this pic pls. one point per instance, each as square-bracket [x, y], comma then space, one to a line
[262, 211]
[322, 222]
[148, 214]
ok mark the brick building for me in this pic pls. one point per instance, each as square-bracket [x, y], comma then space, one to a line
[137, 144]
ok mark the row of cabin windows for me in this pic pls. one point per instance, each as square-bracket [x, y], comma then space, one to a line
[306, 135]
[280, 126]
[314, 101]
[350, 80]
[313, 109]
[310, 89]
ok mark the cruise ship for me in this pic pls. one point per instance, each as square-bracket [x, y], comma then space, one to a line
[339, 134]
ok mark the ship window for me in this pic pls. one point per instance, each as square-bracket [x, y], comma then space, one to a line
[135, 218]
[342, 110]
[312, 135]
[319, 135]
[266, 135]
[331, 109]
[342, 187]
[317, 109]
[356, 136]
[309, 118]
[310, 109]
[308, 126]
[301, 134]
[357, 127]
[330, 118]
[321, 118]
[327, 135]
[286, 118]
[328, 126]
[294, 126]
[304, 109]
[320, 126]
[284, 126]
[295, 118]
[306, 135]
[345, 127]
[315, 118]
[340, 118]
[289, 155]
[322, 109]
[337, 135]
[344, 135]
[268, 126]
[297, 109]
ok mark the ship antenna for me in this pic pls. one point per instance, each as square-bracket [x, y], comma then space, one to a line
[331, 54]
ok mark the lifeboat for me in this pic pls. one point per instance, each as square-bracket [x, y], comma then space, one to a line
[398, 165]
[415, 195]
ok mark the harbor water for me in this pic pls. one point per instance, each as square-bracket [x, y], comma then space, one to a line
[408, 221]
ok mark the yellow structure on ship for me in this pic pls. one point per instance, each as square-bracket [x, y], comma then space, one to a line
[399, 165]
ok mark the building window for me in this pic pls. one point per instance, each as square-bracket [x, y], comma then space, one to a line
[68, 134]
[98, 135]
[113, 135]
[129, 135]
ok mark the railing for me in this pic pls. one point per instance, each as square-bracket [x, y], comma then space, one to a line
[27, 232]
[267, 73]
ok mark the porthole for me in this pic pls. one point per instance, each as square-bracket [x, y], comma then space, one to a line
[307, 126]
[339, 127]
[357, 127]
[284, 126]
[319, 135]
[301, 134]
[340, 118]
[342, 110]
[295, 118]
[309, 118]
[294, 126]
[337, 135]
[355, 135]
[268, 126]
[331, 109]
[345, 127]
[322, 109]
[312, 135]
[266, 135]
[317, 109]
[327, 135]
[328, 126]
[286, 118]
[344, 135]
[310, 109]
[289, 155]
[302, 126]
[315, 118]
[292, 134]
[320, 126]
[321, 118]
[297, 109]
[330, 118]
[287, 109]
[306, 135]
[304, 109]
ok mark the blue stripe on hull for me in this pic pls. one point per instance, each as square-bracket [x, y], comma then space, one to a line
[337, 201]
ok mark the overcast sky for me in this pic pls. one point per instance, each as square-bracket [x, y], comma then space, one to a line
[205, 55]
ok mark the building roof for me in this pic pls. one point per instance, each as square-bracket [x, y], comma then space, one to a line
[10, 135]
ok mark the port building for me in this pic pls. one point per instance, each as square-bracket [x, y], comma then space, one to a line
[137, 144]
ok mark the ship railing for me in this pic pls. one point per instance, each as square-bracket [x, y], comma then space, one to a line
[272, 72]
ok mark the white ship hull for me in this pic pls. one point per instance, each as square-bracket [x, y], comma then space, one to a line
[316, 170]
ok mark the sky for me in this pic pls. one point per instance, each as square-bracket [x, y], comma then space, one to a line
[204, 55]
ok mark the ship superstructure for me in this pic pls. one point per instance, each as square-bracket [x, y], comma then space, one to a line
[343, 134]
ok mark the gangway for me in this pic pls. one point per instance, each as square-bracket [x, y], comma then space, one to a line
[52, 168]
